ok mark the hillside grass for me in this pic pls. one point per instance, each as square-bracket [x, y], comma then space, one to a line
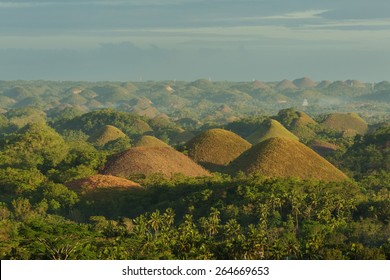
[216, 147]
[283, 157]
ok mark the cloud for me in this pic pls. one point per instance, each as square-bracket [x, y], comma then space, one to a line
[310, 14]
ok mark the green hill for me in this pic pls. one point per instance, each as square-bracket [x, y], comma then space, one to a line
[299, 123]
[270, 128]
[106, 134]
[214, 148]
[283, 157]
[90, 122]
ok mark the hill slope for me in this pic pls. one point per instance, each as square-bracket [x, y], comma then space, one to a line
[282, 157]
[101, 181]
[216, 147]
[152, 160]
[270, 128]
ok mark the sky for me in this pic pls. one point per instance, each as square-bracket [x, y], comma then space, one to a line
[240, 40]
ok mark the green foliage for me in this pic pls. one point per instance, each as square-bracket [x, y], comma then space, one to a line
[35, 146]
[370, 153]
[19, 181]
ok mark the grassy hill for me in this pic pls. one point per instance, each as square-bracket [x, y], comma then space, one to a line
[298, 122]
[152, 160]
[106, 134]
[283, 157]
[214, 148]
[150, 141]
[270, 128]
[342, 122]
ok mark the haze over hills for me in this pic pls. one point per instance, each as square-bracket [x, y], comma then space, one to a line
[195, 130]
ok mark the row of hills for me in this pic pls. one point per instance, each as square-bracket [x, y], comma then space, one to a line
[194, 170]
[171, 128]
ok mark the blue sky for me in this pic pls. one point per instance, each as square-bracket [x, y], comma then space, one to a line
[189, 39]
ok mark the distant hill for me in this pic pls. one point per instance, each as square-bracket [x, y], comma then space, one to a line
[323, 84]
[260, 85]
[286, 85]
[94, 182]
[381, 96]
[304, 82]
[111, 93]
[268, 129]
[89, 123]
[18, 93]
[345, 122]
[106, 134]
[214, 148]
[204, 84]
[283, 157]
[150, 141]
[152, 160]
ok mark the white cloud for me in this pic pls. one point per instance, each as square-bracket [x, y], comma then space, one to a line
[310, 14]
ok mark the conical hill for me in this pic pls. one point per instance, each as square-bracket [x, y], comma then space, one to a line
[150, 141]
[106, 134]
[152, 160]
[344, 122]
[286, 85]
[304, 82]
[270, 128]
[283, 157]
[216, 147]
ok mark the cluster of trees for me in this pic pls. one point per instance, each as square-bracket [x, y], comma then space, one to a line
[218, 218]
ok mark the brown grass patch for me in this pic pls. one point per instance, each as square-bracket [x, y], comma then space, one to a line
[153, 160]
[342, 122]
[101, 181]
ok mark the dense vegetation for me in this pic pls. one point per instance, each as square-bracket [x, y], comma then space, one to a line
[56, 137]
